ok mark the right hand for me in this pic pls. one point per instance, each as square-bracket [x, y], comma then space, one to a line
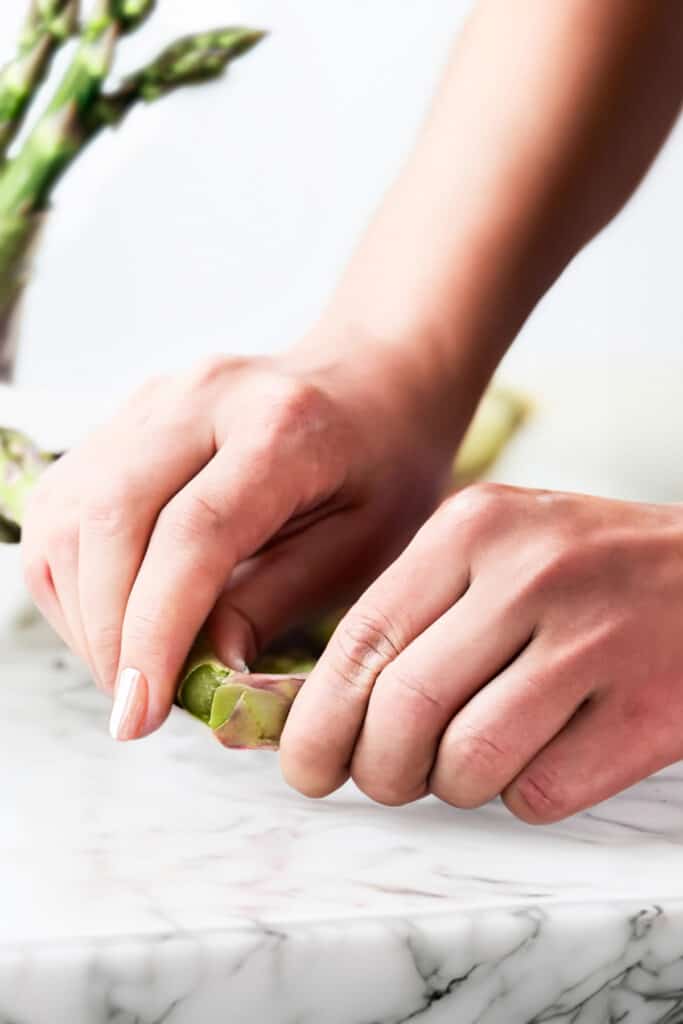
[250, 491]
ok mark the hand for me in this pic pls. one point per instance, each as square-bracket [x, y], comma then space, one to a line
[256, 488]
[526, 643]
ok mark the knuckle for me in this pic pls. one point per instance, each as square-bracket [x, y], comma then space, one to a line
[138, 627]
[208, 371]
[363, 645]
[105, 643]
[474, 764]
[192, 518]
[538, 797]
[296, 407]
[146, 641]
[411, 687]
[559, 560]
[478, 504]
[108, 509]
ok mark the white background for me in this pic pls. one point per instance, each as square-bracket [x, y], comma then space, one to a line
[219, 219]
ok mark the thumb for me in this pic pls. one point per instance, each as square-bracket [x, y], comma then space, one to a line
[320, 569]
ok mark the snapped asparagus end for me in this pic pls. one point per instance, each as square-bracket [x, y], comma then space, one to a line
[243, 710]
[250, 711]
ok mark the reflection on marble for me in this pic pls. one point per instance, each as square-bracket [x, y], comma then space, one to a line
[175, 881]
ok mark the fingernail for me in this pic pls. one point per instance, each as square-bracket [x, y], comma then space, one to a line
[234, 661]
[130, 705]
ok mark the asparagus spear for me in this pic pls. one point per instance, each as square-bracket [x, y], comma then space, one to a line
[191, 60]
[500, 414]
[48, 25]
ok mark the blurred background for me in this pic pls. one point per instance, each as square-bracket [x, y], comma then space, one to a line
[219, 221]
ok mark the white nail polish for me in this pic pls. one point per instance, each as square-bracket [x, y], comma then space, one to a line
[129, 704]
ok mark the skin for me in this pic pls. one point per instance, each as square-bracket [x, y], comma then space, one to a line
[525, 643]
[252, 491]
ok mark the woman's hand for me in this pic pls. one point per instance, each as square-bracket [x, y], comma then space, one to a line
[256, 488]
[526, 643]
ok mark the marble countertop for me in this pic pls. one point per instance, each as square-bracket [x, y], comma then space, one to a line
[174, 881]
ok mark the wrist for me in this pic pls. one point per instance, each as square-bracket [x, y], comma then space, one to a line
[396, 381]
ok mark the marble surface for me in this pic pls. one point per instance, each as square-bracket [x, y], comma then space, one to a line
[175, 881]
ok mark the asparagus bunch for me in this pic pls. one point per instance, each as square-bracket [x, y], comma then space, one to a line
[81, 107]
[250, 710]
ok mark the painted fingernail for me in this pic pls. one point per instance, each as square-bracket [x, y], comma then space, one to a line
[130, 705]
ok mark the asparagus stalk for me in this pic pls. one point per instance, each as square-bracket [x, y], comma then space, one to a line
[48, 25]
[17, 239]
[500, 414]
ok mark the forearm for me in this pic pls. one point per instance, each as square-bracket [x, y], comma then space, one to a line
[547, 118]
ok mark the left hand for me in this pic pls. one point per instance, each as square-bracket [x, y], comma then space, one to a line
[526, 643]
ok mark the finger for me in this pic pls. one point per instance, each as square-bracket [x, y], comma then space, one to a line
[428, 683]
[40, 584]
[125, 496]
[298, 577]
[602, 750]
[505, 724]
[64, 574]
[231, 508]
[50, 558]
[324, 724]
[39, 537]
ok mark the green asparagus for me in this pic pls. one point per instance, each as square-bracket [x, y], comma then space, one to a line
[500, 414]
[80, 108]
[244, 711]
